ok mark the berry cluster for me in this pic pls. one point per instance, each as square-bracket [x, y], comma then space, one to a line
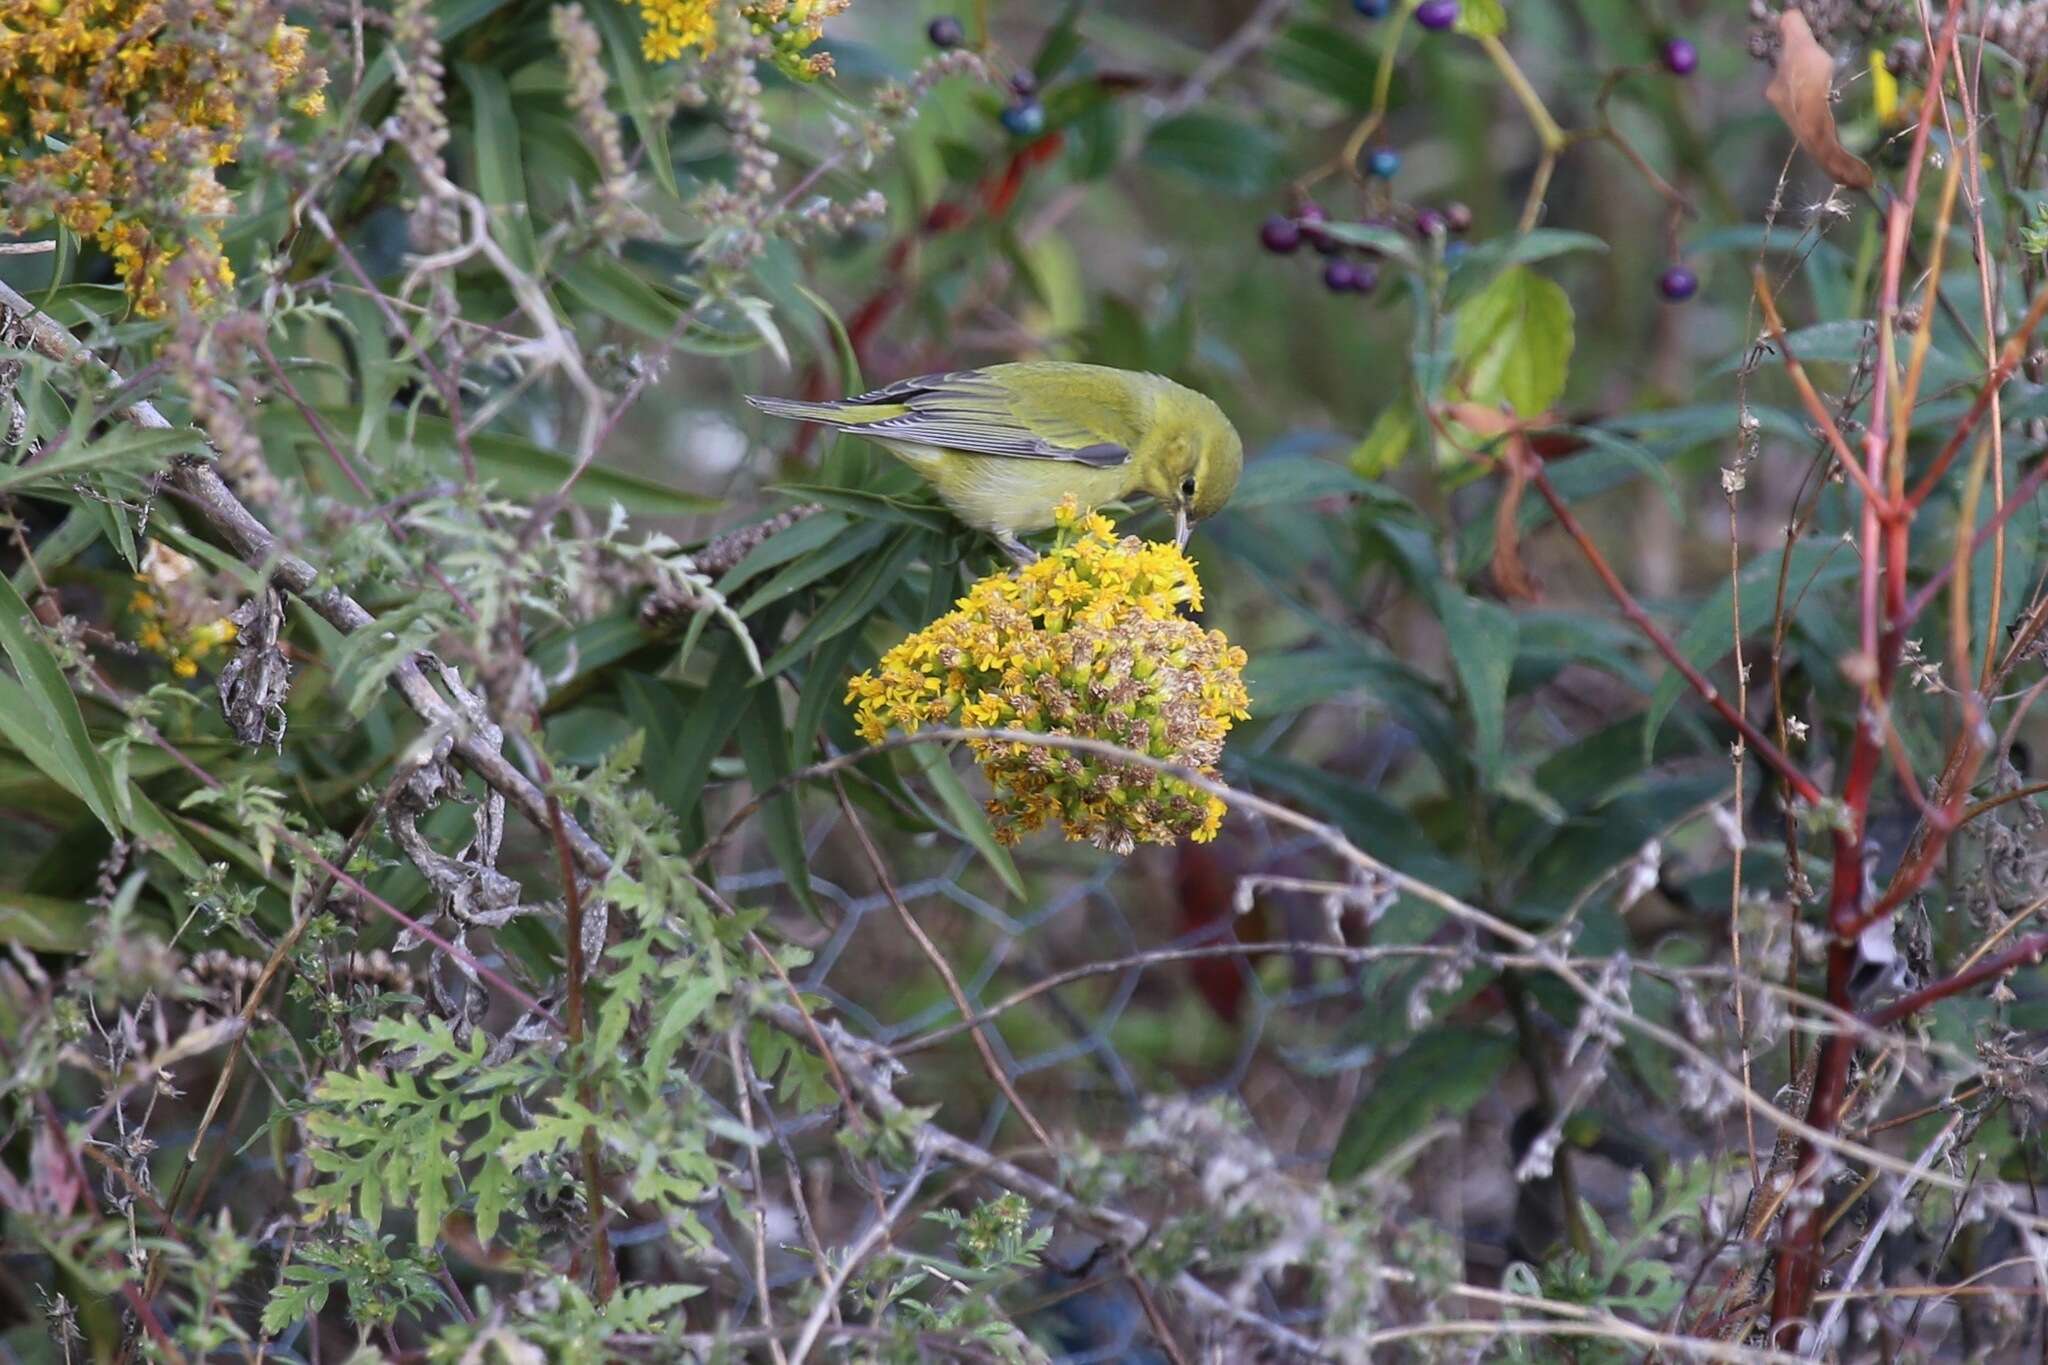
[1023, 117]
[1283, 234]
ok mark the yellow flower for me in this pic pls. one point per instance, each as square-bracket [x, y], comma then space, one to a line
[1089, 643]
[118, 113]
[676, 26]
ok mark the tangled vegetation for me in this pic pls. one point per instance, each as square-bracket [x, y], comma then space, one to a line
[508, 855]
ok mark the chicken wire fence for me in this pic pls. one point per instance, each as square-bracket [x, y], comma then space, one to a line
[1115, 932]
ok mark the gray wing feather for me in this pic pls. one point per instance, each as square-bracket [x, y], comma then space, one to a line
[966, 410]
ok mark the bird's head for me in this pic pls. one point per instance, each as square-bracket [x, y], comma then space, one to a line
[1203, 458]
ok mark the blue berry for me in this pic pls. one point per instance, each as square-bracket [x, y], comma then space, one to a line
[1437, 15]
[1280, 235]
[1679, 56]
[1372, 9]
[1678, 284]
[1384, 162]
[945, 32]
[1025, 118]
[1456, 251]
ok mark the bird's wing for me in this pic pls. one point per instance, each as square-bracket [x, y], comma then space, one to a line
[974, 411]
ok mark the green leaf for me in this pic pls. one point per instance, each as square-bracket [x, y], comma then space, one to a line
[619, 292]
[764, 749]
[1482, 640]
[44, 702]
[1231, 155]
[137, 449]
[500, 171]
[1393, 245]
[1444, 1072]
[966, 813]
[1279, 480]
[1710, 633]
[1387, 443]
[1526, 248]
[812, 533]
[1513, 341]
[1328, 60]
[1482, 19]
[46, 924]
[644, 100]
[854, 603]
[521, 469]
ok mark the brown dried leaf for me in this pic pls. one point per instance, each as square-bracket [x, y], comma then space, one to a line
[1800, 93]
[1510, 575]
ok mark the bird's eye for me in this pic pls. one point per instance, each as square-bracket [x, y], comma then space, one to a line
[1187, 487]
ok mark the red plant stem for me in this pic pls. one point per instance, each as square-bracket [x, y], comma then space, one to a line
[605, 1274]
[2028, 952]
[2009, 357]
[1774, 757]
[2021, 495]
[1885, 532]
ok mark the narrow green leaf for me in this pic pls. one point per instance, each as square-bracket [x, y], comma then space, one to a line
[764, 749]
[1443, 1072]
[1482, 640]
[1217, 150]
[966, 813]
[636, 82]
[54, 709]
[812, 533]
[863, 592]
[1710, 633]
[46, 924]
[500, 170]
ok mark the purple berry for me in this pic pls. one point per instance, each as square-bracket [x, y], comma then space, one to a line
[1310, 212]
[1340, 277]
[1363, 278]
[1280, 235]
[1678, 284]
[1679, 56]
[1430, 223]
[945, 32]
[1458, 217]
[1437, 15]
[1024, 84]
[1025, 118]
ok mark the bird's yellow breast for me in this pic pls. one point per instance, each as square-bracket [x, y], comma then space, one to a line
[992, 493]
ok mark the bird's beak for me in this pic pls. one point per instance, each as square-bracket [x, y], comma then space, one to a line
[1183, 526]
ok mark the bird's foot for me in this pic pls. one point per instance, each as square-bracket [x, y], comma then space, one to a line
[1020, 554]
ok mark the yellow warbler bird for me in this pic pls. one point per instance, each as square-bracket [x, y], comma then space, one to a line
[1005, 444]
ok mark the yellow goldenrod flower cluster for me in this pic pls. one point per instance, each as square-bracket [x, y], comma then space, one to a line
[791, 26]
[176, 617]
[1088, 642]
[673, 27]
[116, 114]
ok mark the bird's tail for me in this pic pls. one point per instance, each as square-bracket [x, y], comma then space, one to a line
[829, 413]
